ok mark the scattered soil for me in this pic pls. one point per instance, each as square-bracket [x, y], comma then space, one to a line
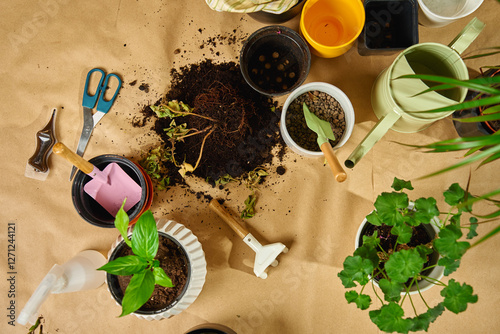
[323, 105]
[174, 261]
[242, 133]
[388, 241]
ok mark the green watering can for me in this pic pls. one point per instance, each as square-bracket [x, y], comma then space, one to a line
[395, 101]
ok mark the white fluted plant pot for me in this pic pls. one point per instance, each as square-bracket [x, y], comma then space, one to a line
[197, 270]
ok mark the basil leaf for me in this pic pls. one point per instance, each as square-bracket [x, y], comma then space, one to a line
[138, 291]
[125, 265]
[122, 222]
[145, 237]
[161, 277]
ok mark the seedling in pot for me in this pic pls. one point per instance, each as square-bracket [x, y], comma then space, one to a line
[145, 269]
[324, 131]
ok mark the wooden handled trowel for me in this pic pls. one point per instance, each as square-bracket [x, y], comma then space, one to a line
[324, 132]
[265, 256]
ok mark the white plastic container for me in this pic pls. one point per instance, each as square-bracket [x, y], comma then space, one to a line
[327, 88]
[438, 13]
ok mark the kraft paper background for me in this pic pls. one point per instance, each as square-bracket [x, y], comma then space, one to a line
[48, 46]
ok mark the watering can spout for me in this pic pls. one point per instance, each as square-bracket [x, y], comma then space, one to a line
[382, 126]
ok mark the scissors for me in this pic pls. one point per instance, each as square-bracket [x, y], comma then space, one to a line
[89, 101]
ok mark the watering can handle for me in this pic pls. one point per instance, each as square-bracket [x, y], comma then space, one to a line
[221, 212]
[382, 126]
[467, 35]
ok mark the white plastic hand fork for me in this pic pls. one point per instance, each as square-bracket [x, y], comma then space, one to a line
[265, 256]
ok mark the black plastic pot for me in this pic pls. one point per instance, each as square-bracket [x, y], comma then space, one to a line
[266, 17]
[275, 60]
[390, 26]
[116, 292]
[211, 329]
[89, 209]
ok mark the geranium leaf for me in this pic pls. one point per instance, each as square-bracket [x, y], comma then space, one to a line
[346, 279]
[426, 210]
[388, 205]
[403, 265]
[357, 269]
[362, 301]
[161, 277]
[399, 184]
[138, 291]
[368, 252]
[145, 236]
[449, 265]
[391, 290]
[371, 241]
[390, 319]
[125, 265]
[423, 251]
[454, 195]
[472, 229]
[447, 244]
[403, 231]
[374, 219]
[456, 296]
[422, 321]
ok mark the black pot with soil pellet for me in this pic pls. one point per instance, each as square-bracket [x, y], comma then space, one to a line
[323, 105]
[275, 60]
[174, 261]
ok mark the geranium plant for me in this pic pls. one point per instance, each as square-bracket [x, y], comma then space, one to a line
[402, 267]
[142, 265]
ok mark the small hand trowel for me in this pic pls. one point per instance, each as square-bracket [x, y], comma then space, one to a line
[324, 132]
[108, 187]
[265, 256]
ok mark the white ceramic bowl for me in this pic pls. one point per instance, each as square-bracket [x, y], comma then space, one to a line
[335, 92]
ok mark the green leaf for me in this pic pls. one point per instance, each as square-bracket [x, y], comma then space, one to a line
[456, 296]
[422, 321]
[161, 277]
[472, 228]
[399, 184]
[249, 210]
[426, 209]
[371, 241]
[362, 301]
[404, 233]
[454, 195]
[322, 128]
[403, 265]
[447, 244]
[450, 265]
[374, 219]
[145, 236]
[487, 236]
[369, 253]
[356, 269]
[125, 265]
[138, 292]
[346, 279]
[390, 319]
[121, 223]
[424, 251]
[392, 290]
[388, 207]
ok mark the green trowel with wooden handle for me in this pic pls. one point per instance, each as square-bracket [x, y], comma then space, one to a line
[324, 132]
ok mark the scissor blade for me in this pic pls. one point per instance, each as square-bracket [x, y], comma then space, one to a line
[97, 117]
[88, 125]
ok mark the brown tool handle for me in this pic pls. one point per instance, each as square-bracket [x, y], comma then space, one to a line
[221, 212]
[75, 159]
[335, 166]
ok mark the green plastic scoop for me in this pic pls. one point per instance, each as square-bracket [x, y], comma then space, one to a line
[324, 132]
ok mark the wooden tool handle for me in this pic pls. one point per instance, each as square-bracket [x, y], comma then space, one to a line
[75, 159]
[335, 166]
[221, 212]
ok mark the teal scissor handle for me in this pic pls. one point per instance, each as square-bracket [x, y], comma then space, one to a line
[102, 104]
[88, 100]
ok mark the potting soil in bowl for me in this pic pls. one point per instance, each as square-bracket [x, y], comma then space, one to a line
[323, 105]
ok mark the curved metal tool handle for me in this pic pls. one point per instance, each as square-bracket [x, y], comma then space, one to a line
[104, 105]
[337, 170]
[221, 212]
[89, 100]
[76, 160]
